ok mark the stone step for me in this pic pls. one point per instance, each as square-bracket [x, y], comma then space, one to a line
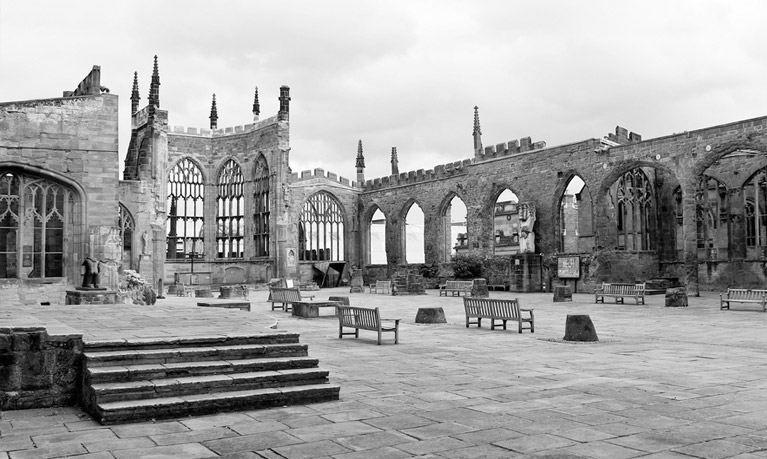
[192, 341]
[208, 384]
[126, 373]
[191, 354]
[200, 404]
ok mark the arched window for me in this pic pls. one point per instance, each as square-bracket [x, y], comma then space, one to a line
[230, 215]
[576, 218]
[127, 226]
[185, 211]
[35, 216]
[261, 213]
[321, 229]
[712, 216]
[414, 233]
[634, 196]
[755, 212]
[506, 223]
[456, 231]
[377, 238]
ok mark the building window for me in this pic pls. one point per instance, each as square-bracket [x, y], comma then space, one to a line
[230, 214]
[261, 213]
[321, 229]
[755, 209]
[635, 211]
[185, 211]
[127, 226]
[35, 214]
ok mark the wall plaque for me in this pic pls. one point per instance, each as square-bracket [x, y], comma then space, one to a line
[569, 267]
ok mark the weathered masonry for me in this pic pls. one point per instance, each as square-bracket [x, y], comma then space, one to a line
[222, 206]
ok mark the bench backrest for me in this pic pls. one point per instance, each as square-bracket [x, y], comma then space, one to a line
[627, 289]
[285, 295]
[745, 294]
[452, 284]
[491, 307]
[383, 284]
[365, 318]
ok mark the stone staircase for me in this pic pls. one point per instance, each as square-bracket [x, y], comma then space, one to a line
[177, 377]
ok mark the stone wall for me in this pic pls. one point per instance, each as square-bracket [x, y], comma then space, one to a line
[38, 370]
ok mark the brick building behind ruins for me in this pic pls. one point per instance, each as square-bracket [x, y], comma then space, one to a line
[224, 207]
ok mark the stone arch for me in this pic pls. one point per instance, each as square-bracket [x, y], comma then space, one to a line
[186, 211]
[416, 247]
[373, 237]
[261, 205]
[573, 220]
[505, 222]
[446, 238]
[127, 225]
[230, 209]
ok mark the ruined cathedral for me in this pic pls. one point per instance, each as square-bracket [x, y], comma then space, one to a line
[221, 205]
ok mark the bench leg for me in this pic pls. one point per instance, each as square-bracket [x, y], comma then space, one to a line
[379, 336]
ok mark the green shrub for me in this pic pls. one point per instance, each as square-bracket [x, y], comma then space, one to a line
[468, 266]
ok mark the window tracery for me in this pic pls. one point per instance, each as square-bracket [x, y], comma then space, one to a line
[262, 210]
[321, 229]
[230, 216]
[185, 211]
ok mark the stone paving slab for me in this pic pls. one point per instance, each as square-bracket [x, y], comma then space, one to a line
[660, 383]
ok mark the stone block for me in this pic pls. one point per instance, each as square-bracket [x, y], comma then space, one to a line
[578, 327]
[676, 297]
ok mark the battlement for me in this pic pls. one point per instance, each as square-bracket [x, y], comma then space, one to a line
[421, 175]
[227, 131]
[511, 147]
[623, 136]
[319, 174]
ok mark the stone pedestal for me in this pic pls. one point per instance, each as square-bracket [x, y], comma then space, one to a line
[203, 292]
[342, 300]
[676, 297]
[562, 293]
[233, 291]
[91, 296]
[358, 284]
[430, 316]
[479, 289]
[579, 327]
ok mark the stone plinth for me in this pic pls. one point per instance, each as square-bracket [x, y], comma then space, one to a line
[430, 316]
[562, 293]
[479, 289]
[358, 284]
[342, 300]
[311, 309]
[579, 327]
[676, 297]
[91, 296]
[202, 292]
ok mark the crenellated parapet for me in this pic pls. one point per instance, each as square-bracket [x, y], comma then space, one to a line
[421, 175]
[319, 174]
[223, 132]
[511, 147]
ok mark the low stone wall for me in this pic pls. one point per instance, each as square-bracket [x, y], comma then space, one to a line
[38, 370]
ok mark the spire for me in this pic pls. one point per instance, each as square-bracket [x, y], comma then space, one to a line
[284, 99]
[256, 106]
[477, 133]
[154, 88]
[360, 163]
[360, 158]
[134, 97]
[213, 114]
[394, 161]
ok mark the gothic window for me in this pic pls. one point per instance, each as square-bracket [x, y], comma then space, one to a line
[755, 209]
[321, 229]
[377, 238]
[711, 216]
[635, 211]
[35, 213]
[576, 218]
[230, 218]
[414, 233]
[456, 230]
[127, 227]
[185, 211]
[261, 214]
[506, 223]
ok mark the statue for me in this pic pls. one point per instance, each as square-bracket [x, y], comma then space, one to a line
[92, 269]
[146, 243]
[526, 224]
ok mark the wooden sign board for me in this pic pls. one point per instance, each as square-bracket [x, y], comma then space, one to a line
[569, 267]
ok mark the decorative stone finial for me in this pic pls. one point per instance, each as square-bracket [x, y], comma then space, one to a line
[283, 114]
[477, 133]
[256, 107]
[154, 88]
[360, 157]
[213, 114]
[394, 161]
[134, 97]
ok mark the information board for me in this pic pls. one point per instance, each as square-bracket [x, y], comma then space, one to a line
[569, 267]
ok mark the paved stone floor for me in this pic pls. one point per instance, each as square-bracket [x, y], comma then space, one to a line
[661, 383]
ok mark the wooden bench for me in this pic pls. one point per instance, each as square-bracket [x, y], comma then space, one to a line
[497, 310]
[619, 292]
[743, 295]
[286, 296]
[380, 287]
[456, 287]
[365, 319]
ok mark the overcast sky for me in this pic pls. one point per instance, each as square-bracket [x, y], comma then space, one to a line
[404, 74]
